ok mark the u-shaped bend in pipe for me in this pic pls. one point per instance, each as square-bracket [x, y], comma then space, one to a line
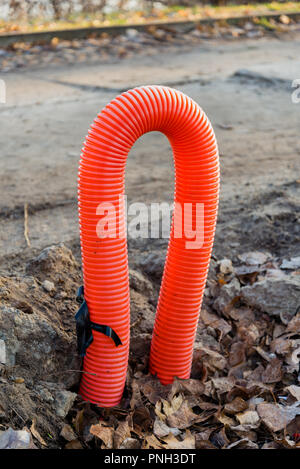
[105, 264]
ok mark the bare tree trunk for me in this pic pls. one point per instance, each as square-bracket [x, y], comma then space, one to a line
[17, 9]
[90, 6]
[121, 4]
[56, 5]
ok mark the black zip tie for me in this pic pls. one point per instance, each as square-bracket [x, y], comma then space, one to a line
[84, 326]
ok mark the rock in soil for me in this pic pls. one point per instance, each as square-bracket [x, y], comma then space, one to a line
[16, 439]
[38, 341]
[2, 352]
[274, 296]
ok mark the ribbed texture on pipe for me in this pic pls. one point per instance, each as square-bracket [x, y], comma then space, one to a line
[105, 264]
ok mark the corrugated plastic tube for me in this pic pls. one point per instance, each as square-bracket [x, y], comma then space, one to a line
[105, 264]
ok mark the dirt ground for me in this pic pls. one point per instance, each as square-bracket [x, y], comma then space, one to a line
[49, 110]
[244, 86]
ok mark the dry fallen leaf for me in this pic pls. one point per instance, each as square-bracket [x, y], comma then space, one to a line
[227, 421]
[281, 346]
[205, 444]
[276, 416]
[224, 385]
[263, 353]
[204, 435]
[273, 372]
[247, 274]
[122, 432]
[173, 443]
[294, 324]
[243, 444]
[183, 417]
[141, 419]
[36, 434]
[246, 431]
[237, 353]
[192, 387]
[171, 407]
[159, 411]
[136, 399]
[152, 389]
[293, 359]
[250, 417]
[68, 433]
[161, 429]
[78, 421]
[152, 442]
[215, 322]
[212, 358]
[130, 443]
[270, 445]
[75, 444]
[237, 405]
[294, 391]
[104, 433]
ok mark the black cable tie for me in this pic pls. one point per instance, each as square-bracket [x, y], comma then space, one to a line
[84, 326]
[80, 295]
[106, 330]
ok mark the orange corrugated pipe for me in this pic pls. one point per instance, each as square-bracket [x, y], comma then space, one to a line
[105, 264]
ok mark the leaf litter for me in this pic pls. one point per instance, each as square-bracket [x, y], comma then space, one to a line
[244, 391]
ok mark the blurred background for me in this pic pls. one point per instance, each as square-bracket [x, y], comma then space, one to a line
[94, 11]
